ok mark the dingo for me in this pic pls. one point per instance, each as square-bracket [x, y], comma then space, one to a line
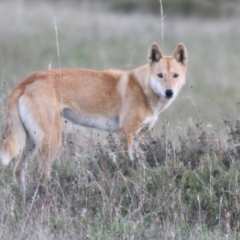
[125, 101]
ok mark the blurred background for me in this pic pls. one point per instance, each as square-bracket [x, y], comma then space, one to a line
[102, 34]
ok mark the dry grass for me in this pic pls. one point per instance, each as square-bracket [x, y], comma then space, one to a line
[187, 186]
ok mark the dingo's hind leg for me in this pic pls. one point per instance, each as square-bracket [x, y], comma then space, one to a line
[22, 164]
[44, 128]
[48, 150]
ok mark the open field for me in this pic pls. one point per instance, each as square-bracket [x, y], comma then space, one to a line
[188, 185]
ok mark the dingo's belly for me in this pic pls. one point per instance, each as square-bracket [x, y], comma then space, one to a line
[100, 123]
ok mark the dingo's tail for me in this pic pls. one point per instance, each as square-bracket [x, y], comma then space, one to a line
[14, 139]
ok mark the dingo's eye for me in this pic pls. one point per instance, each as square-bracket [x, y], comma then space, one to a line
[175, 75]
[160, 75]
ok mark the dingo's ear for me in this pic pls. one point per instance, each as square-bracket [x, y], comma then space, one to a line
[154, 54]
[180, 54]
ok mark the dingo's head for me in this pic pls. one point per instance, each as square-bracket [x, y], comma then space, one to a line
[167, 73]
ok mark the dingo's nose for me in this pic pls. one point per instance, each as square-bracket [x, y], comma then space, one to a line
[168, 93]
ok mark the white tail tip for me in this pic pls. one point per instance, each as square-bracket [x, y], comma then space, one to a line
[5, 158]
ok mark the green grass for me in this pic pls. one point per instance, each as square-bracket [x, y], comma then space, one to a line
[185, 186]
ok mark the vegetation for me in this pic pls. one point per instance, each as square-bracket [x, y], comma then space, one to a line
[185, 184]
[186, 188]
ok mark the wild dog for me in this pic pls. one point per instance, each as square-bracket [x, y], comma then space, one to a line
[126, 101]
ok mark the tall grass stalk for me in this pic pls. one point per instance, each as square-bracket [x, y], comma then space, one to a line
[57, 42]
[162, 23]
